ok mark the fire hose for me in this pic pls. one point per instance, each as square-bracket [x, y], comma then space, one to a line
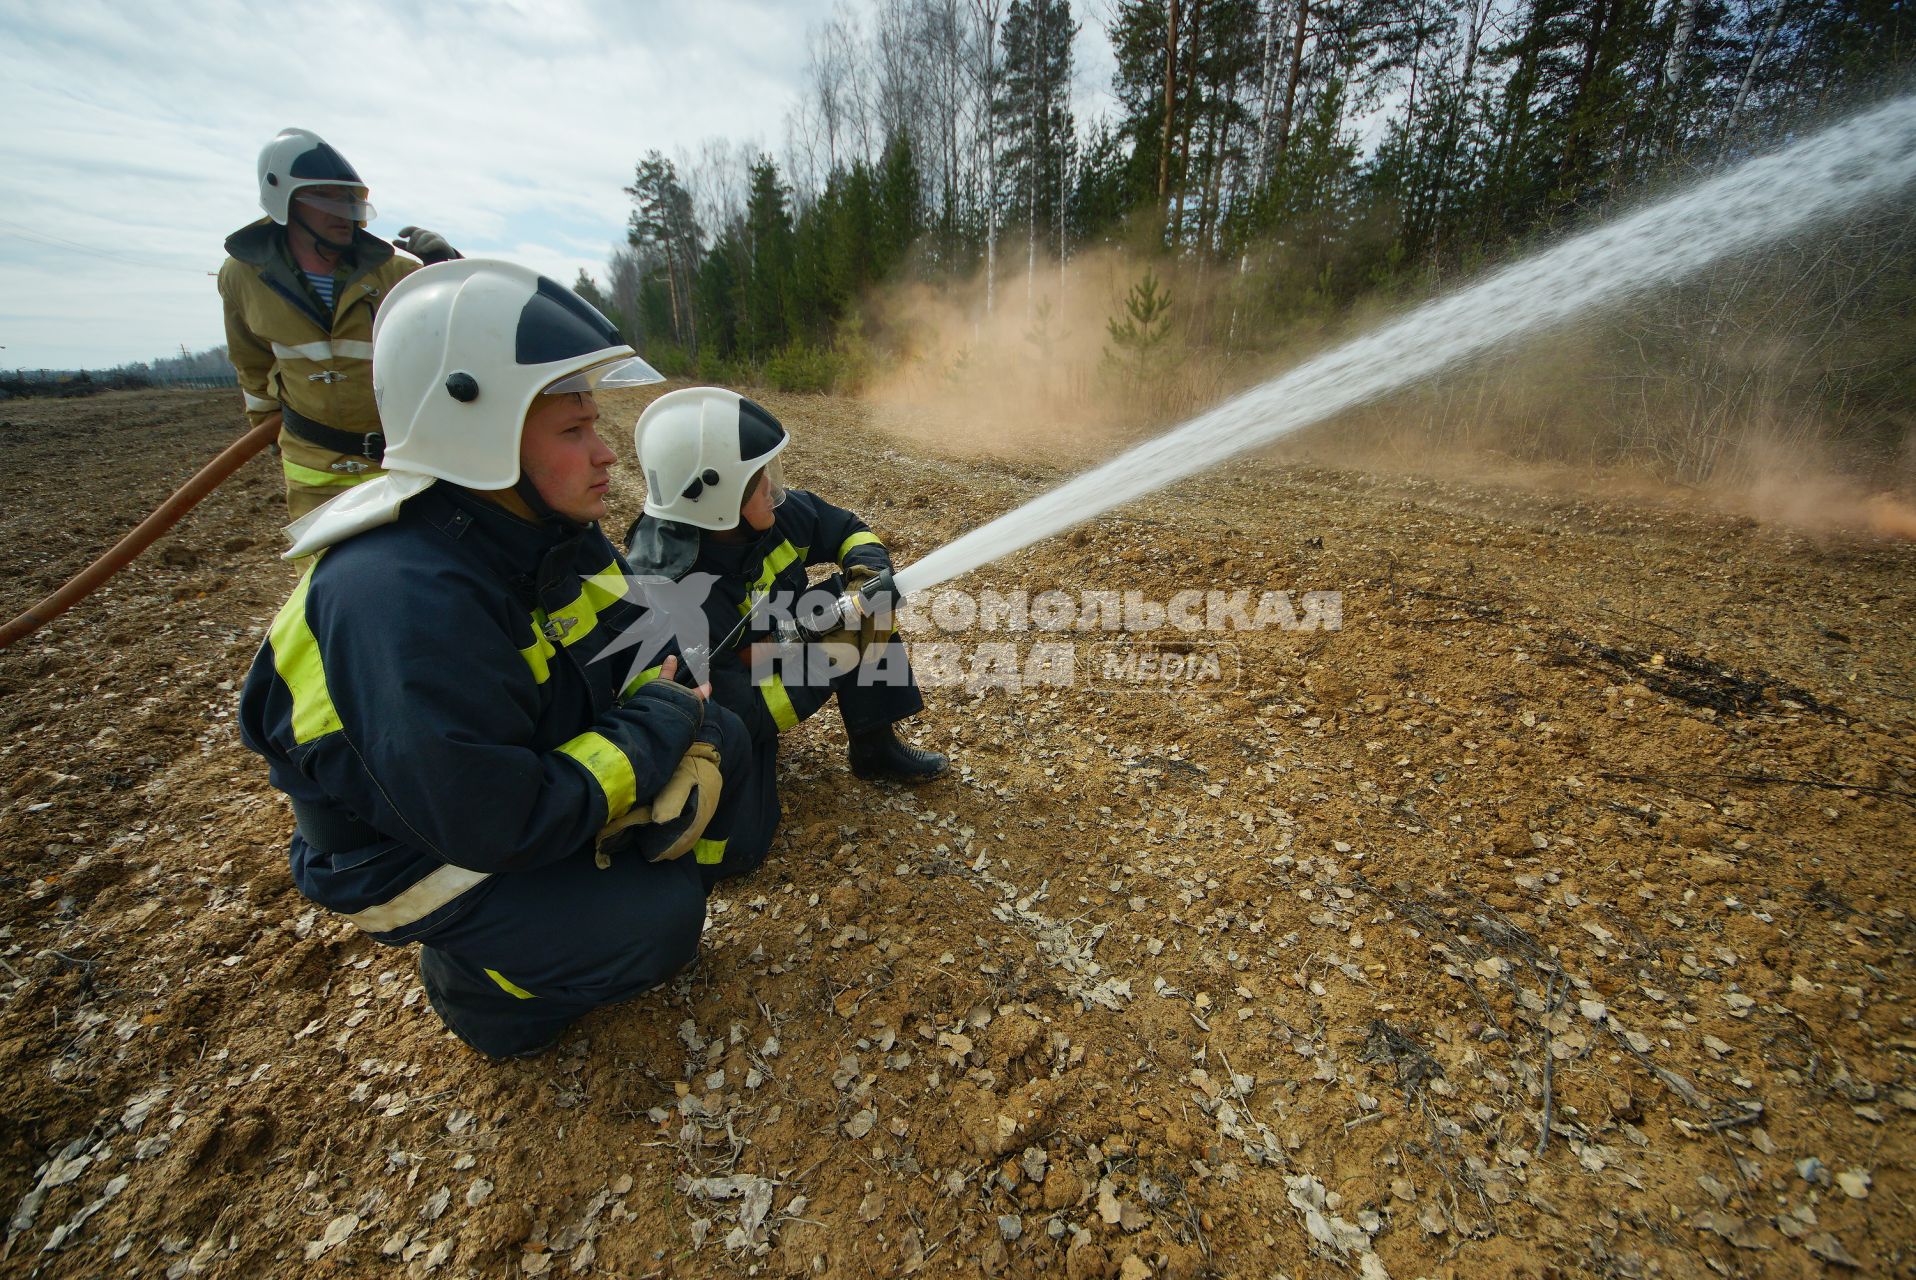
[144, 535]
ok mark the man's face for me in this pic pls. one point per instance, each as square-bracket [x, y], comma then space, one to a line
[564, 458]
[319, 208]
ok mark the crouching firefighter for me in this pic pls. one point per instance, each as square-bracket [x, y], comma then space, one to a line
[467, 770]
[720, 523]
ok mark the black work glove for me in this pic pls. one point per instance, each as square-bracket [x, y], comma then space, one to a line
[427, 246]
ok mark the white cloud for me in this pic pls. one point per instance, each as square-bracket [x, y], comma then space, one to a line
[508, 127]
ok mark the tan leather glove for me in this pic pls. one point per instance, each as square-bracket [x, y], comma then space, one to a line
[682, 810]
[869, 634]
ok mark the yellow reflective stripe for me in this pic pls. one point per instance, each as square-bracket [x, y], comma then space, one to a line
[313, 478]
[776, 561]
[509, 986]
[708, 853]
[576, 619]
[864, 539]
[579, 616]
[608, 767]
[642, 679]
[779, 703]
[296, 658]
[538, 653]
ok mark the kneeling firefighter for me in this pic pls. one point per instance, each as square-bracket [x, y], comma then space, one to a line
[720, 523]
[467, 769]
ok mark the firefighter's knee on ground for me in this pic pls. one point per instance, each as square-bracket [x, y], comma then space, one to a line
[674, 921]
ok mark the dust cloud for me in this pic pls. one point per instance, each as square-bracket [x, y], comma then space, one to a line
[1808, 489]
[1033, 372]
[1035, 375]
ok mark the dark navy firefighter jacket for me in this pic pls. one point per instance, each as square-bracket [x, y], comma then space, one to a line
[428, 698]
[768, 574]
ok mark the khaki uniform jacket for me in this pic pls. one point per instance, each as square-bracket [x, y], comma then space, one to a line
[288, 352]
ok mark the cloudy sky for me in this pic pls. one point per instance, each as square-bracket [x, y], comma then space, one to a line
[131, 132]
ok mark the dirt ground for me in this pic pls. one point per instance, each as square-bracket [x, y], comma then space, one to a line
[1596, 812]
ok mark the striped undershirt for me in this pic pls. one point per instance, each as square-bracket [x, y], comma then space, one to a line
[322, 283]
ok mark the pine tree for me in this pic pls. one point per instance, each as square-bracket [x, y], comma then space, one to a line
[764, 287]
[588, 288]
[900, 209]
[716, 296]
[663, 223]
[1140, 334]
[1033, 111]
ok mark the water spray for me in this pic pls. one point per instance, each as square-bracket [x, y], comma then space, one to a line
[1869, 157]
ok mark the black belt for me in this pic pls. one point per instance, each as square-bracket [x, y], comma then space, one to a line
[359, 444]
[330, 831]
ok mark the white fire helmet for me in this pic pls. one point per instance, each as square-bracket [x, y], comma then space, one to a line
[460, 352]
[298, 158]
[700, 448]
[461, 349]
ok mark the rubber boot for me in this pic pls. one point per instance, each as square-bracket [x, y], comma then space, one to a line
[877, 755]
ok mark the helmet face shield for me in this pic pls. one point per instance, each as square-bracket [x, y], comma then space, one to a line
[341, 202]
[628, 372]
[772, 475]
[298, 160]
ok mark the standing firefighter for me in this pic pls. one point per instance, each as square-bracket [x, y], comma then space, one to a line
[300, 288]
[720, 522]
[470, 766]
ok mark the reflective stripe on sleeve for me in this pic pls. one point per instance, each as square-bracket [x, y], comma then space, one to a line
[708, 853]
[296, 657]
[258, 404]
[779, 703]
[418, 901]
[609, 768]
[642, 679]
[865, 538]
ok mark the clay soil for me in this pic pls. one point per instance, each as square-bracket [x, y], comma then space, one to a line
[1551, 917]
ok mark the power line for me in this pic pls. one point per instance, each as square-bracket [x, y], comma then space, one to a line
[58, 242]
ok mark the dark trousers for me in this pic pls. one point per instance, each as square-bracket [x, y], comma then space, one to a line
[542, 948]
[881, 691]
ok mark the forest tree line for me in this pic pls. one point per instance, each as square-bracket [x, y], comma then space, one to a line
[1315, 153]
